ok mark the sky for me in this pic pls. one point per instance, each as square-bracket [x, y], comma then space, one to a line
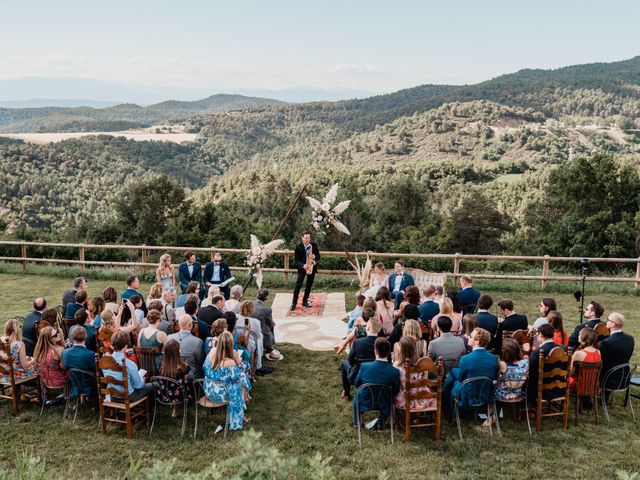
[371, 45]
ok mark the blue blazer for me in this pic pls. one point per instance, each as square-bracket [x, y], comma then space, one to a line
[185, 278]
[478, 363]
[377, 371]
[488, 321]
[428, 309]
[71, 310]
[225, 272]
[83, 359]
[469, 296]
[407, 280]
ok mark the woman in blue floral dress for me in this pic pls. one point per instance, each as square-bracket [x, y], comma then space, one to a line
[225, 380]
[514, 369]
[23, 366]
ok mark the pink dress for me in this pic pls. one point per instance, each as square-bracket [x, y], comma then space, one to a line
[386, 316]
[415, 405]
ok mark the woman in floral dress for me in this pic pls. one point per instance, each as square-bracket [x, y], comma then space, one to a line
[23, 366]
[408, 351]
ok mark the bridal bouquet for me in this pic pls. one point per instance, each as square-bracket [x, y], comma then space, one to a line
[324, 215]
[258, 255]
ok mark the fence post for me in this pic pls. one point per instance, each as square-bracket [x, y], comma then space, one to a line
[286, 267]
[23, 251]
[456, 269]
[545, 271]
[213, 251]
[81, 257]
[144, 257]
[638, 274]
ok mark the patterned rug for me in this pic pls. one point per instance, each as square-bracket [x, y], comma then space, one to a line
[317, 302]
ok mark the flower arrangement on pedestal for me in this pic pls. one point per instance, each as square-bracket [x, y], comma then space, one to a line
[258, 255]
[325, 215]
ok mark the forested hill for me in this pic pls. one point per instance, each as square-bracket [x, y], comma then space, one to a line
[118, 117]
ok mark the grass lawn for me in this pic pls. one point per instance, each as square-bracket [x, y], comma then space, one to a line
[299, 411]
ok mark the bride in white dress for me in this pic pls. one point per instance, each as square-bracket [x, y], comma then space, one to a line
[378, 279]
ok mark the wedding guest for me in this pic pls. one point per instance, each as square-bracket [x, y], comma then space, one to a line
[616, 349]
[152, 337]
[80, 302]
[545, 336]
[155, 293]
[219, 326]
[189, 271]
[468, 295]
[111, 324]
[209, 314]
[264, 314]
[512, 321]
[23, 365]
[80, 358]
[218, 273]
[110, 297]
[173, 366]
[354, 314]
[514, 369]
[469, 324]
[168, 313]
[410, 313]
[398, 283]
[69, 296]
[359, 329]
[446, 309]
[593, 313]
[48, 358]
[191, 348]
[233, 304]
[245, 317]
[385, 309]
[486, 320]
[377, 279]
[448, 346]
[587, 353]
[407, 352]
[361, 351]
[412, 330]
[560, 335]
[546, 305]
[30, 325]
[411, 297]
[137, 388]
[212, 291]
[83, 321]
[429, 308]
[96, 307]
[163, 325]
[49, 319]
[192, 289]
[133, 284]
[165, 273]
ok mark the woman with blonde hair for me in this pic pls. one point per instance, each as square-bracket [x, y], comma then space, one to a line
[155, 293]
[23, 366]
[48, 357]
[211, 292]
[412, 329]
[446, 309]
[165, 273]
[111, 324]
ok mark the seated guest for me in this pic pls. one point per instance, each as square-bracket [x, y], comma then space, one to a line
[192, 289]
[69, 296]
[446, 309]
[48, 358]
[356, 312]
[133, 285]
[233, 303]
[377, 280]
[545, 336]
[110, 297]
[219, 326]
[191, 349]
[240, 342]
[469, 324]
[163, 325]
[31, 323]
[486, 320]
[514, 369]
[49, 318]
[616, 349]
[96, 307]
[80, 302]
[512, 321]
[361, 351]
[216, 273]
[478, 363]
[560, 335]
[587, 353]
[189, 271]
[191, 309]
[448, 346]
[255, 344]
[264, 314]
[23, 366]
[384, 308]
[180, 311]
[82, 321]
[139, 314]
[359, 329]
[212, 312]
[155, 293]
[407, 352]
[111, 324]
[137, 388]
[439, 294]
[592, 312]
[411, 297]
[429, 308]
[468, 295]
[212, 291]
[398, 283]
[546, 306]
[168, 313]
[152, 337]
[412, 330]
[225, 381]
[174, 367]
[410, 312]
[377, 371]
[80, 358]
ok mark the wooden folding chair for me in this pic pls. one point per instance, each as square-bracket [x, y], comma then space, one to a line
[587, 375]
[12, 388]
[125, 412]
[523, 337]
[553, 377]
[67, 323]
[429, 386]
[147, 359]
[427, 332]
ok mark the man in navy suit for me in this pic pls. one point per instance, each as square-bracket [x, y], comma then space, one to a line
[379, 371]
[478, 363]
[486, 320]
[81, 302]
[361, 351]
[468, 295]
[398, 282]
[215, 273]
[593, 313]
[190, 271]
[616, 349]
[133, 286]
[545, 336]
[512, 321]
[30, 325]
[429, 308]
[80, 357]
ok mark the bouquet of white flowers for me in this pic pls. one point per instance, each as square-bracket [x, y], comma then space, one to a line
[258, 255]
[324, 215]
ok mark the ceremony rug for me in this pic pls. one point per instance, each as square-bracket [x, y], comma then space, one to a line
[316, 304]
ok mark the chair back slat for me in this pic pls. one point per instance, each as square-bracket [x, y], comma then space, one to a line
[587, 375]
[147, 359]
[6, 360]
[602, 330]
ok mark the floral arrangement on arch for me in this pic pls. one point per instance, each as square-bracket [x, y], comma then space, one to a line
[325, 215]
[258, 255]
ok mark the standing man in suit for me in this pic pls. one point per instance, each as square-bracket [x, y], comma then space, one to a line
[398, 282]
[486, 320]
[191, 347]
[265, 315]
[616, 349]
[593, 313]
[545, 336]
[190, 271]
[512, 321]
[30, 325]
[468, 295]
[215, 273]
[305, 252]
[429, 308]
[362, 351]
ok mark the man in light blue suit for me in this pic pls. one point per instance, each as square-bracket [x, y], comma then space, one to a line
[398, 282]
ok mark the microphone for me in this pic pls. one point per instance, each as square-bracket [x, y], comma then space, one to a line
[577, 295]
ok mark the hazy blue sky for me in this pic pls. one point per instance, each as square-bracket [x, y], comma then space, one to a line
[367, 45]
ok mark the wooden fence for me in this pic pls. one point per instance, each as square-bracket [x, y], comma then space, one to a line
[456, 259]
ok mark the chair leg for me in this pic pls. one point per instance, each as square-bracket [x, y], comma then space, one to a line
[595, 408]
[184, 417]
[147, 409]
[15, 394]
[526, 413]
[195, 421]
[226, 424]
[633, 414]
[604, 407]
[43, 398]
[153, 421]
[456, 412]
[358, 422]
[495, 413]
[128, 419]
[392, 415]
[539, 417]
[76, 408]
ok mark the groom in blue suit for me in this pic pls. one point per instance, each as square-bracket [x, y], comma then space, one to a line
[478, 363]
[398, 282]
[190, 271]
